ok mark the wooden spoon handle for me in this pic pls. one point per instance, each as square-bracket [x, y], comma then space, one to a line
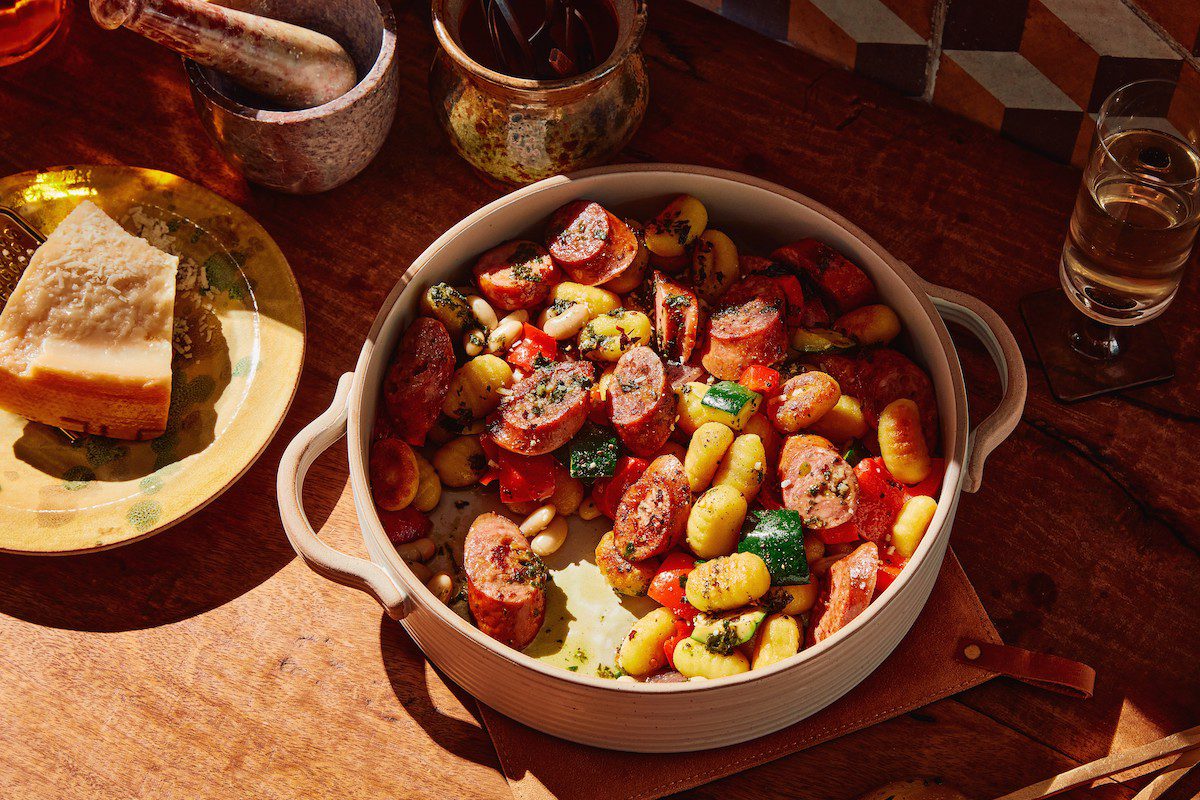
[1175, 744]
[1170, 775]
[291, 66]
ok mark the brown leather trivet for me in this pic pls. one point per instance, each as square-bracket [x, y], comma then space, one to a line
[921, 670]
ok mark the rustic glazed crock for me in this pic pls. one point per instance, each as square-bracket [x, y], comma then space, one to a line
[314, 149]
[521, 130]
[661, 717]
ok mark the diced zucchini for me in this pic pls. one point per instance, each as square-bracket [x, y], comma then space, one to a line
[820, 340]
[720, 634]
[731, 403]
[594, 452]
[778, 539]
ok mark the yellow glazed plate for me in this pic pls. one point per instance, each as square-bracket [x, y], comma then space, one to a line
[239, 347]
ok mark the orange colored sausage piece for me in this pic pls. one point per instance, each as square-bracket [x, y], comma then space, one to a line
[652, 515]
[851, 587]
[516, 274]
[643, 403]
[840, 281]
[676, 319]
[418, 379]
[544, 410]
[817, 483]
[505, 581]
[747, 329]
[589, 243]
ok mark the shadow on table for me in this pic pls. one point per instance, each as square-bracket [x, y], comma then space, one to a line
[203, 563]
[410, 675]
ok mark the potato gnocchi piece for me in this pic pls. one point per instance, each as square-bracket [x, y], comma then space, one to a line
[694, 660]
[715, 522]
[867, 325]
[597, 300]
[641, 651]
[707, 447]
[778, 638]
[743, 467]
[714, 264]
[728, 582]
[676, 226]
[912, 523]
[902, 444]
[772, 442]
[609, 336]
[792, 600]
[568, 494]
[693, 413]
[843, 422]
[630, 578]
[475, 388]
[460, 462]
[429, 485]
[804, 400]
[450, 307]
[394, 474]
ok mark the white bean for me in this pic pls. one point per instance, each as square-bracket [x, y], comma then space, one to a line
[538, 519]
[442, 586]
[506, 331]
[419, 571]
[417, 550]
[551, 538]
[627, 678]
[483, 311]
[566, 324]
[587, 510]
[474, 341]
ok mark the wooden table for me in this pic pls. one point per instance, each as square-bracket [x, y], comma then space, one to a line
[209, 662]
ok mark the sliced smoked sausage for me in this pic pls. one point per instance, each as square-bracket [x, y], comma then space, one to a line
[589, 243]
[819, 484]
[851, 585]
[544, 410]
[418, 379]
[652, 515]
[679, 374]
[516, 274]
[676, 319]
[506, 581]
[886, 375]
[839, 281]
[643, 403]
[747, 328]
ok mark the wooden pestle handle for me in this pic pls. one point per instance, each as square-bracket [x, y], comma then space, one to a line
[286, 64]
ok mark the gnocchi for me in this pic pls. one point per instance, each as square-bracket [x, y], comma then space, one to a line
[460, 462]
[678, 225]
[631, 578]
[596, 300]
[475, 388]
[875, 324]
[778, 638]
[744, 466]
[429, 486]
[728, 582]
[610, 335]
[842, 422]
[714, 264]
[694, 660]
[902, 444]
[909, 528]
[715, 523]
[693, 413]
[641, 652]
[707, 447]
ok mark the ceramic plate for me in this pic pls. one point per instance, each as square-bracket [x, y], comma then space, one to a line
[239, 347]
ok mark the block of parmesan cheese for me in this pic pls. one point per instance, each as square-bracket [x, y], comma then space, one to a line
[85, 338]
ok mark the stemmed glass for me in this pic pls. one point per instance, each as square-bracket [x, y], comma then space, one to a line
[1129, 241]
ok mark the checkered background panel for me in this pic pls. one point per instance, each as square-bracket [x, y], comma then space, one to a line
[1034, 70]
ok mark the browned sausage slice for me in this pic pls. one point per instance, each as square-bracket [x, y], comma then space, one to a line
[624, 576]
[747, 329]
[643, 403]
[818, 483]
[544, 410]
[676, 319]
[589, 243]
[418, 378]
[506, 581]
[653, 513]
[516, 274]
[851, 587]
[887, 375]
[679, 374]
[839, 280]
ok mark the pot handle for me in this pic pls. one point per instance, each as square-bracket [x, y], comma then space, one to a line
[979, 318]
[357, 573]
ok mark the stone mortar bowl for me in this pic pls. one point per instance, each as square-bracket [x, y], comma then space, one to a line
[314, 149]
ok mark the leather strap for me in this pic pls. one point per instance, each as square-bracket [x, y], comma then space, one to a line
[1055, 673]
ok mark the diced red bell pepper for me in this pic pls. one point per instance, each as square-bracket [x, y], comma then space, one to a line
[841, 534]
[763, 380]
[794, 292]
[880, 498]
[534, 342]
[886, 574]
[683, 629]
[405, 525]
[607, 492]
[669, 585]
[522, 478]
[932, 483]
[768, 498]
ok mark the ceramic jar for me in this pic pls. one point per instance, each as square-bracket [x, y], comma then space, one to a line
[520, 130]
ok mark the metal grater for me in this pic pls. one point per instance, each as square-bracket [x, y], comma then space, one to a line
[18, 240]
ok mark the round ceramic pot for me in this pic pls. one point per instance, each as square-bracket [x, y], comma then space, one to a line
[314, 149]
[660, 717]
[520, 130]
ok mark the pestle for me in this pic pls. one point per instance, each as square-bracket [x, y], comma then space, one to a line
[286, 64]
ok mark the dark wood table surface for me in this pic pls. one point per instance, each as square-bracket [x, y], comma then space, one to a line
[209, 662]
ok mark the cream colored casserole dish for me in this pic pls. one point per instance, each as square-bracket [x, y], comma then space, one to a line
[538, 687]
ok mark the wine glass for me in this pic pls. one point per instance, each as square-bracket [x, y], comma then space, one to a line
[1129, 242]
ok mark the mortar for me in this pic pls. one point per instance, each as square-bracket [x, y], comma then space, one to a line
[313, 149]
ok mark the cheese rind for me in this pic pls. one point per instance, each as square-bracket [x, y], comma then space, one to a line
[85, 338]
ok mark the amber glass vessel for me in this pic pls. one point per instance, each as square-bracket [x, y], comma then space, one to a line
[26, 26]
[521, 130]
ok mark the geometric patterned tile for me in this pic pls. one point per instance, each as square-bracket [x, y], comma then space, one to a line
[768, 17]
[984, 25]
[1059, 53]
[1014, 81]
[1111, 28]
[917, 14]
[958, 91]
[1179, 18]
